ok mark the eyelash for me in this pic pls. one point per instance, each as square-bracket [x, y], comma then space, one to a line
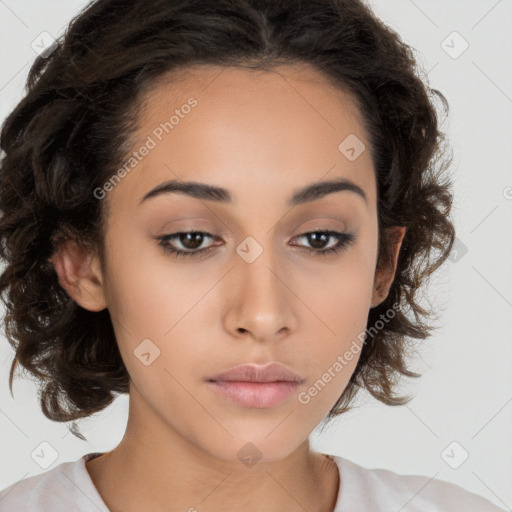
[344, 240]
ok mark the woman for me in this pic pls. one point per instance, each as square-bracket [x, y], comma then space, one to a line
[226, 209]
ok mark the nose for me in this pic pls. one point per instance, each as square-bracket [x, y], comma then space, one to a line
[261, 303]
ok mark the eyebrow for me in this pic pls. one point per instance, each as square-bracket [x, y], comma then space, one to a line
[218, 194]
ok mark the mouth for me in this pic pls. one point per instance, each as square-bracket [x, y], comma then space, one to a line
[254, 386]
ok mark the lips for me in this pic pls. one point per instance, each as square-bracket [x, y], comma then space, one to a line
[272, 372]
[257, 387]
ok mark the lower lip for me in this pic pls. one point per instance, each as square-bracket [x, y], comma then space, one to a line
[258, 395]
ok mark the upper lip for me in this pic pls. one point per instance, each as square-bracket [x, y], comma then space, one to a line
[272, 372]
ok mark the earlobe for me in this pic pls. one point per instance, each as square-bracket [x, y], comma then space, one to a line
[79, 274]
[384, 278]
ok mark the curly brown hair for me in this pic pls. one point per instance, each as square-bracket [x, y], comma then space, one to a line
[70, 133]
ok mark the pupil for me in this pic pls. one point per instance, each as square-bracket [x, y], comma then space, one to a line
[196, 239]
[315, 237]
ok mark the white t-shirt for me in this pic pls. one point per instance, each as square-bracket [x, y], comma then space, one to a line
[68, 487]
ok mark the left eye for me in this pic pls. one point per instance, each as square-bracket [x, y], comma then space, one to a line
[192, 240]
[318, 238]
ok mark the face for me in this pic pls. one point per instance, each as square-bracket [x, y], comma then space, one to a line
[271, 276]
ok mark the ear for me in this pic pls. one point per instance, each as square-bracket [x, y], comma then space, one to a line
[80, 275]
[385, 276]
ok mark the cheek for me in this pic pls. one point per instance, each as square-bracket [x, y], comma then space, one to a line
[146, 291]
[152, 299]
[339, 301]
[340, 294]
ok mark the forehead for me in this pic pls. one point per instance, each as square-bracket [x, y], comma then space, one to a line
[259, 134]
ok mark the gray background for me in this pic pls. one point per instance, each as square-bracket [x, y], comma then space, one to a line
[465, 394]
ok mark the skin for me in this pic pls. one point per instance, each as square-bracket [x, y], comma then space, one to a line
[262, 136]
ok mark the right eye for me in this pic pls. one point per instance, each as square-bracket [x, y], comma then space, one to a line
[189, 240]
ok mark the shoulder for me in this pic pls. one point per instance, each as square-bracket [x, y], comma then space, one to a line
[63, 488]
[381, 490]
[40, 492]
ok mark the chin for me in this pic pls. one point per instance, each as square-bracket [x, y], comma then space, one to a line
[257, 447]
